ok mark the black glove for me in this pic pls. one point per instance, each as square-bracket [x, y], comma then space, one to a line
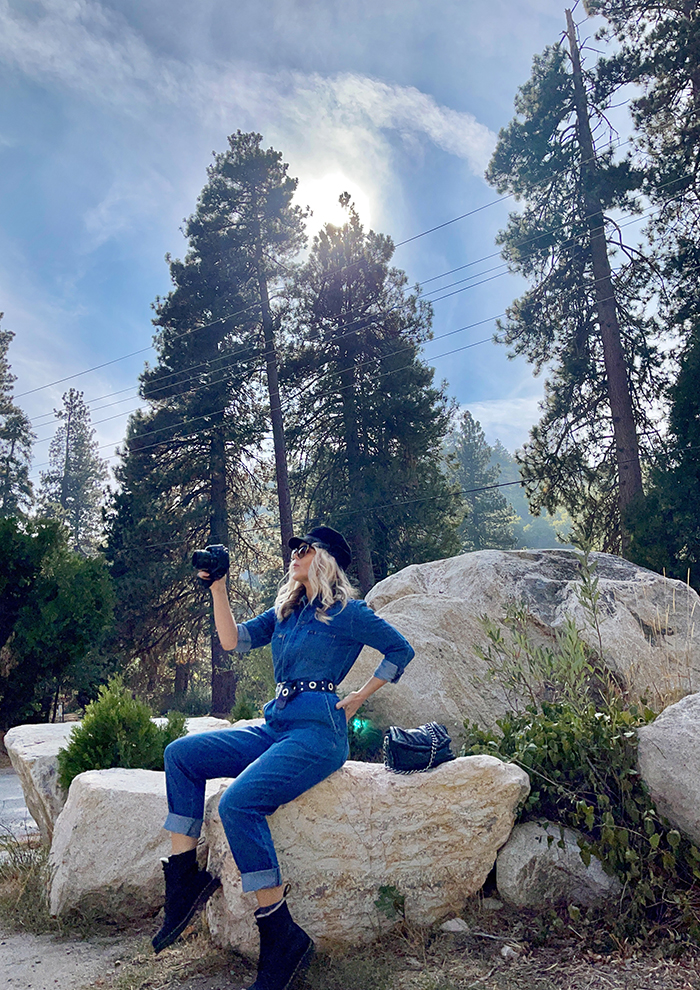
[214, 560]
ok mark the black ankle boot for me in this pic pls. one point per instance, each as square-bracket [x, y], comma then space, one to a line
[187, 889]
[285, 949]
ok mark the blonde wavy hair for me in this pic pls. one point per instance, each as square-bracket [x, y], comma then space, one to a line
[327, 581]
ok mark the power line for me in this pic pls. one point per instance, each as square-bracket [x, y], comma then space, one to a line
[385, 505]
[441, 336]
[407, 240]
[229, 357]
[216, 412]
[335, 338]
[333, 391]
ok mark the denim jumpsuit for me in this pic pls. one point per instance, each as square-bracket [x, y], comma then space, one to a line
[299, 744]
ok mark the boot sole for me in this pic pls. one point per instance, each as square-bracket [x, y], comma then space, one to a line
[302, 965]
[173, 935]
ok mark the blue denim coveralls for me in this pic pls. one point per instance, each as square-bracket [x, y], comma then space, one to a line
[297, 747]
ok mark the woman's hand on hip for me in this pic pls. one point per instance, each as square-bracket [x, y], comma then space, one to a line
[352, 703]
[356, 699]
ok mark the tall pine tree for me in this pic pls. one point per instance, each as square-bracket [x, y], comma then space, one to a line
[366, 420]
[659, 50]
[16, 437]
[489, 520]
[587, 326]
[193, 470]
[73, 489]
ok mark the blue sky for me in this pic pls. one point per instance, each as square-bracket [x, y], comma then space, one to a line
[109, 114]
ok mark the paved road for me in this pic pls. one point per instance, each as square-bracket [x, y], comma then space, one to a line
[14, 816]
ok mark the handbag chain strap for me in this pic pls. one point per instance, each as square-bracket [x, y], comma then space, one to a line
[432, 729]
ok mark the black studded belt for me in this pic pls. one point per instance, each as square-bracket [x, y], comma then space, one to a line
[286, 690]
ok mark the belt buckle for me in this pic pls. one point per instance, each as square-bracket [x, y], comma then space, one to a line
[283, 694]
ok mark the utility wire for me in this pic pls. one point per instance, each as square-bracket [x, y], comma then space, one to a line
[229, 357]
[333, 391]
[407, 240]
[335, 338]
[383, 505]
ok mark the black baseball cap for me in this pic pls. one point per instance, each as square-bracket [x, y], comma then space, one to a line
[330, 540]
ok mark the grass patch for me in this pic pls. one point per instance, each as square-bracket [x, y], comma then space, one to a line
[24, 874]
[362, 970]
[24, 894]
[188, 963]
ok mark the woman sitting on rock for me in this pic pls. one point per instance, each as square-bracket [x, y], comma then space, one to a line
[317, 629]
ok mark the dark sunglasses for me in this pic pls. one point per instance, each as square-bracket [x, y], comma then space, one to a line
[302, 550]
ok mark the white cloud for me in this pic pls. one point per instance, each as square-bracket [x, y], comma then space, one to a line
[127, 199]
[80, 45]
[508, 420]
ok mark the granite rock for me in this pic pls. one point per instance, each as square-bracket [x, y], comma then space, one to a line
[668, 758]
[107, 845]
[33, 751]
[650, 640]
[541, 864]
[433, 836]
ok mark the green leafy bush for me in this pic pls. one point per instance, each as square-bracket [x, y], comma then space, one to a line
[582, 763]
[244, 708]
[365, 740]
[577, 739]
[117, 731]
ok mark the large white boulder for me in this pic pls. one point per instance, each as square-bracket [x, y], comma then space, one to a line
[541, 864]
[432, 836]
[650, 640]
[108, 842]
[33, 751]
[669, 762]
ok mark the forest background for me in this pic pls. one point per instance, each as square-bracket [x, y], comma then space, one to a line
[290, 387]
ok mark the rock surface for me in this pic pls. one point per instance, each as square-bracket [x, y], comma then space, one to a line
[533, 869]
[108, 842]
[650, 640]
[433, 836]
[33, 751]
[669, 762]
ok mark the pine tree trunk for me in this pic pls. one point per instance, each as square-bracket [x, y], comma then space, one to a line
[182, 678]
[283, 494]
[6, 478]
[627, 449]
[359, 530]
[223, 680]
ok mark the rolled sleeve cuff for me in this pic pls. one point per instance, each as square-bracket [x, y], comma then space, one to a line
[388, 671]
[183, 825]
[261, 879]
[245, 643]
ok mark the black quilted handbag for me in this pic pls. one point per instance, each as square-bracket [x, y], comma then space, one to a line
[414, 750]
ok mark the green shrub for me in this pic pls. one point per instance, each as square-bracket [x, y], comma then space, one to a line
[365, 740]
[582, 763]
[194, 703]
[117, 731]
[244, 708]
[577, 739]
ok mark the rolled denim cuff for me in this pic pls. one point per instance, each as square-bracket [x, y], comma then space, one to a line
[261, 879]
[388, 671]
[244, 641]
[183, 825]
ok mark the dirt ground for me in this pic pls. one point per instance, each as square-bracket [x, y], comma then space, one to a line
[496, 952]
[43, 962]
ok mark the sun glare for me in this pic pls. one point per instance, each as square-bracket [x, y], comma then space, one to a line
[322, 196]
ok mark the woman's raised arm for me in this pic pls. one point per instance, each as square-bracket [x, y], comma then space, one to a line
[223, 617]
